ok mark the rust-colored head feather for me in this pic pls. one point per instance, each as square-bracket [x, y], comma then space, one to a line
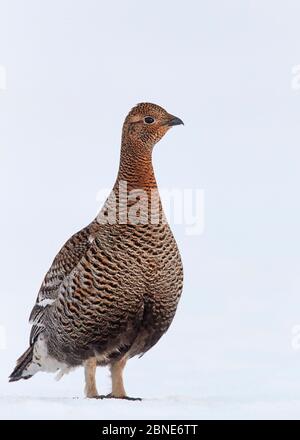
[146, 124]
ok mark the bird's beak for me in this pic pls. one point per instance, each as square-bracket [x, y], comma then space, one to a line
[174, 121]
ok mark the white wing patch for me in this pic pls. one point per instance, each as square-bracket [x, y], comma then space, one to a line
[46, 302]
[91, 239]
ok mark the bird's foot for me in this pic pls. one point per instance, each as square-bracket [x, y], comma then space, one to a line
[112, 396]
[95, 395]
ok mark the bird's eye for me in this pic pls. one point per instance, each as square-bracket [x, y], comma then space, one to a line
[149, 120]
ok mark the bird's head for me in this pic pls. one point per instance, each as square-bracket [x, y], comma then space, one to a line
[146, 124]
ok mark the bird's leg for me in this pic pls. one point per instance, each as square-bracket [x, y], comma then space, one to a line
[118, 390]
[116, 370]
[90, 378]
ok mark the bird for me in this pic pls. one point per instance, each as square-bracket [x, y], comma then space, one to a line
[112, 290]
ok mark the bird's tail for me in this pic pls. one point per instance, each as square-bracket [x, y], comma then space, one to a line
[22, 365]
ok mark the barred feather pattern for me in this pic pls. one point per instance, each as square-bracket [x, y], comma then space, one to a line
[113, 289]
[121, 297]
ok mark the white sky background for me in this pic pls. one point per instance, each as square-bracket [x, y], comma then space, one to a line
[74, 69]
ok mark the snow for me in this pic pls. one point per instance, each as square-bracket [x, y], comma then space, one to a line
[199, 370]
[172, 408]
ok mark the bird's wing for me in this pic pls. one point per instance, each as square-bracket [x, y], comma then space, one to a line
[63, 264]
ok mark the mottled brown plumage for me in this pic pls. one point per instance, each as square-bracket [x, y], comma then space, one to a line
[113, 289]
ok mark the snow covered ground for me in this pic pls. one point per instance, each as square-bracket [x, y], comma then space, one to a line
[212, 367]
[229, 70]
[177, 408]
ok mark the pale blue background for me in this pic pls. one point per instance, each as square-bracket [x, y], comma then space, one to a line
[74, 69]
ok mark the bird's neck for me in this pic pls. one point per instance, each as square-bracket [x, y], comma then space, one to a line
[135, 198]
[136, 168]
